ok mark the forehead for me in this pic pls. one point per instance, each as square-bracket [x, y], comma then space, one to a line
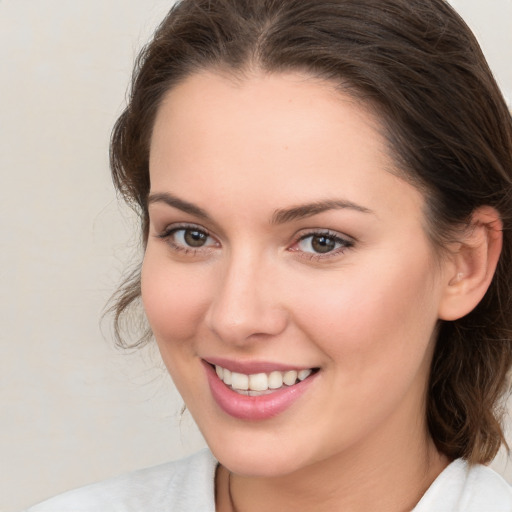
[286, 138]
[277, 111]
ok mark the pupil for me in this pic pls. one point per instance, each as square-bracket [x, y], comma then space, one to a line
[323, 244]
[195, 238]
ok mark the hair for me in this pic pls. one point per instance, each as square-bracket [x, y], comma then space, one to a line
[417, 65]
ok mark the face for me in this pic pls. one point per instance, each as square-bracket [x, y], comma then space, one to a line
[281, 248]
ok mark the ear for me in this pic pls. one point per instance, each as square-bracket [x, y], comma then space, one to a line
[472, 264]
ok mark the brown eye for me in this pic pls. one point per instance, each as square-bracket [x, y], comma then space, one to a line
[322, 244]
[194, 238]
[189, 238]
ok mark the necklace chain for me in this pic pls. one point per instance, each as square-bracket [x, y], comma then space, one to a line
[231, 502]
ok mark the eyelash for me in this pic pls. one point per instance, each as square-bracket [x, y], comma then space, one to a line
[167, 235]
[344, 243]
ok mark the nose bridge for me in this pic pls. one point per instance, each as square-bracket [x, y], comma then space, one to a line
[245, 302]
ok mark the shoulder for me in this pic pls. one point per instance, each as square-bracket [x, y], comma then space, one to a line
[461, 487]
[184, 485]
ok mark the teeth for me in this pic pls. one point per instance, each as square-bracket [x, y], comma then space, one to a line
[261, 381]
[275, 380]
[239, 381]
[258, 382]
[304, 374]
[290, 377]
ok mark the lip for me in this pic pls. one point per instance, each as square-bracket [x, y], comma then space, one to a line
[254, 408]
[251, 367]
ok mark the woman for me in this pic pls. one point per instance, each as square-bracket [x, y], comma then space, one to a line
[325, 196]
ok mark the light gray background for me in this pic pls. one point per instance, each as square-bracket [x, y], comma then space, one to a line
[72, 408]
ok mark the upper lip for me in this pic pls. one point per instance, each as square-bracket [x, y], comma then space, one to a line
[252, 367]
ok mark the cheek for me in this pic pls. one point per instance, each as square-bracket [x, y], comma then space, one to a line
[375, 329]
[174, 298]
[368, 314]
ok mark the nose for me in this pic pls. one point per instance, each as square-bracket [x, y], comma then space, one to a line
[246, 304]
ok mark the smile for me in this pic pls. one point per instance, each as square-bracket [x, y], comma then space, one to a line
[258, 384]
[260, 394]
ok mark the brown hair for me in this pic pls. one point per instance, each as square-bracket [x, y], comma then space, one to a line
[418, 64]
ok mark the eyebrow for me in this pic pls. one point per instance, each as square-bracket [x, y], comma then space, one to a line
[310, 209]
[178, 203]
[280, 216]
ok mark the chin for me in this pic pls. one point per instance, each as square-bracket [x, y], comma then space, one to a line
[258, 454]
[255, 463]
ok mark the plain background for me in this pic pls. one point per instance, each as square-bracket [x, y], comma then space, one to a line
[73, 409]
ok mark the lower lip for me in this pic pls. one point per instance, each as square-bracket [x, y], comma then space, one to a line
[254, 408]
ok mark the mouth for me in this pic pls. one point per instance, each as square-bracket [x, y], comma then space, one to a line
[257, 391]
[258, 384]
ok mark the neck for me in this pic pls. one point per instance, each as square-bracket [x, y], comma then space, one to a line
[369, 478]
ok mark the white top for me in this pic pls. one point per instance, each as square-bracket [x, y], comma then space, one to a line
[187, 485]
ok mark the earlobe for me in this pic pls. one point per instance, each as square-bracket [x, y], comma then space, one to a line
[472, 264]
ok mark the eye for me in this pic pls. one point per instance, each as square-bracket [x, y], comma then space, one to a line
[322, 243]
[191, 237]
[188, 238]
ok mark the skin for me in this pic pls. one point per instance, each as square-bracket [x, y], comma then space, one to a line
[364, 314]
